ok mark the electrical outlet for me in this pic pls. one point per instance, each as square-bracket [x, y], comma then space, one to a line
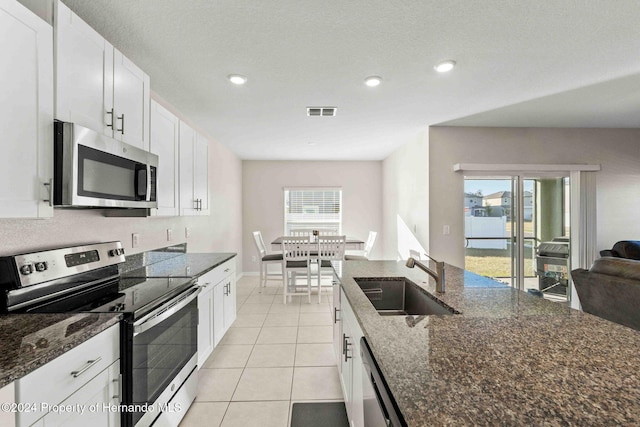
[169, 234]
[187, 232]
[254, 258]
[135, 240]
[446, 230]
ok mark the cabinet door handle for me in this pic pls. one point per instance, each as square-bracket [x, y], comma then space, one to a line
[346, 349]
[226, 270]
[119, 381]
[121, 118]
[344, 345]
[335, 314]
[111, 114]
[90, 363]
[49, 186]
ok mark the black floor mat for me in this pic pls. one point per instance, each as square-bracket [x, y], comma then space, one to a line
[319, 414]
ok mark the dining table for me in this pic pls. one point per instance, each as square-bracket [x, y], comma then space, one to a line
[352, 243]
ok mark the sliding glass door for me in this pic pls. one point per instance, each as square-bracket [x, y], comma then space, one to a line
[506, 219]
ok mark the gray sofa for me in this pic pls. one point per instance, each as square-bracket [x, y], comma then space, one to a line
[611, 289]
[624, 249]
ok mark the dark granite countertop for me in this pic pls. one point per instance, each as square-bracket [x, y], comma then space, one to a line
[28, 341]
[510, 358]
[180, 265]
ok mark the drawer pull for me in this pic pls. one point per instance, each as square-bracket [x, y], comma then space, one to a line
[90, 363]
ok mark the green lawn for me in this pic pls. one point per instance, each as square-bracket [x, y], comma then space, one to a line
[495, 262]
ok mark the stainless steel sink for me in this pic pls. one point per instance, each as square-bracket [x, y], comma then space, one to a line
[398, 296]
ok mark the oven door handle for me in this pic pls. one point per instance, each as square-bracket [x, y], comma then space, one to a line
[162, 313]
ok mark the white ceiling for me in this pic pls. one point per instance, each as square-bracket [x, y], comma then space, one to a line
[520, 63]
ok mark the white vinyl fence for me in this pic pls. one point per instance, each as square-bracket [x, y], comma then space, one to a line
[477, 226]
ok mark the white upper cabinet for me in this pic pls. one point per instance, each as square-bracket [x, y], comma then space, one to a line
[130, 102]
[26, 91]
[96, 86]
[164, 143]
[194, 176]
[84, 73]
[201, 173]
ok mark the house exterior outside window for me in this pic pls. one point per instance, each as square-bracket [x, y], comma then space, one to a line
[308, 208]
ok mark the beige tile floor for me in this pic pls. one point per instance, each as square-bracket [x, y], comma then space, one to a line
[273, 355]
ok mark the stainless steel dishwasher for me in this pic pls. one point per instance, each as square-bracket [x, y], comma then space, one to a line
[378, 406]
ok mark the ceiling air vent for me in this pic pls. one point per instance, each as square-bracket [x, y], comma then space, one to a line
[321, 111]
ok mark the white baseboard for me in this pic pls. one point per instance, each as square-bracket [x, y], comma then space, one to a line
[251, 273]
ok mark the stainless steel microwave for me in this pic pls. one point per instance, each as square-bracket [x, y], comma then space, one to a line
[94, 170]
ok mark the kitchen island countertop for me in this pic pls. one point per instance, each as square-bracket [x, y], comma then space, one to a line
[510, 358]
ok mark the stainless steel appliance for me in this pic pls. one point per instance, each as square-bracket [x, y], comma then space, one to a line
[380, 410]
[552, 267]
[93, 170]
[158, 350]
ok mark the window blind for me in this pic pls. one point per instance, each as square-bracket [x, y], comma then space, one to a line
[312, 208]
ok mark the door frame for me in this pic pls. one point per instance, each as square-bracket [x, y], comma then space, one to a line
[583, 232]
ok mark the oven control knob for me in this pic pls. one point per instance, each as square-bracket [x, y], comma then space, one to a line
[41, 266]
[26, 269]
[116, 252]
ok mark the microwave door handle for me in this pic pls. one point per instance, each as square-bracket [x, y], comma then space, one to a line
[147, 196]
[142, 182]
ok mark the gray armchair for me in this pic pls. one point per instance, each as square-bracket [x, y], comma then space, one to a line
[611, 289]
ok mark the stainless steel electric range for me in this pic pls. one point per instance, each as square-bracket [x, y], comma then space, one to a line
[158, 333]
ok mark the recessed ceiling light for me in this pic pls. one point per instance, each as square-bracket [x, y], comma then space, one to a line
[445, 66]
[373, 81]
[237, 79]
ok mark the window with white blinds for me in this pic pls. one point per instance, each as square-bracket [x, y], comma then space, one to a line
[312, 209]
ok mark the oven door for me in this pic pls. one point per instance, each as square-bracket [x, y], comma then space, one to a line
[94, 170]
[165, 343]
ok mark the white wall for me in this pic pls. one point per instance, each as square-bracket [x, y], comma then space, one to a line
[263, 198]
[618, 183]
[405, 191]
[219, 232]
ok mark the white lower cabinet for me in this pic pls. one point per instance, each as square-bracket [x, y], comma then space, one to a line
[7, 396]
[205, 322]
[93, 405]
[79, 388]
[347, 334]
[216, 307]
[224, 303]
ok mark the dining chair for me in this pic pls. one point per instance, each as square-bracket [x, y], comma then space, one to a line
[362, 254]
[301, 232]
[328, 232]
[330, 248]
[266, 259]
[296, 257]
